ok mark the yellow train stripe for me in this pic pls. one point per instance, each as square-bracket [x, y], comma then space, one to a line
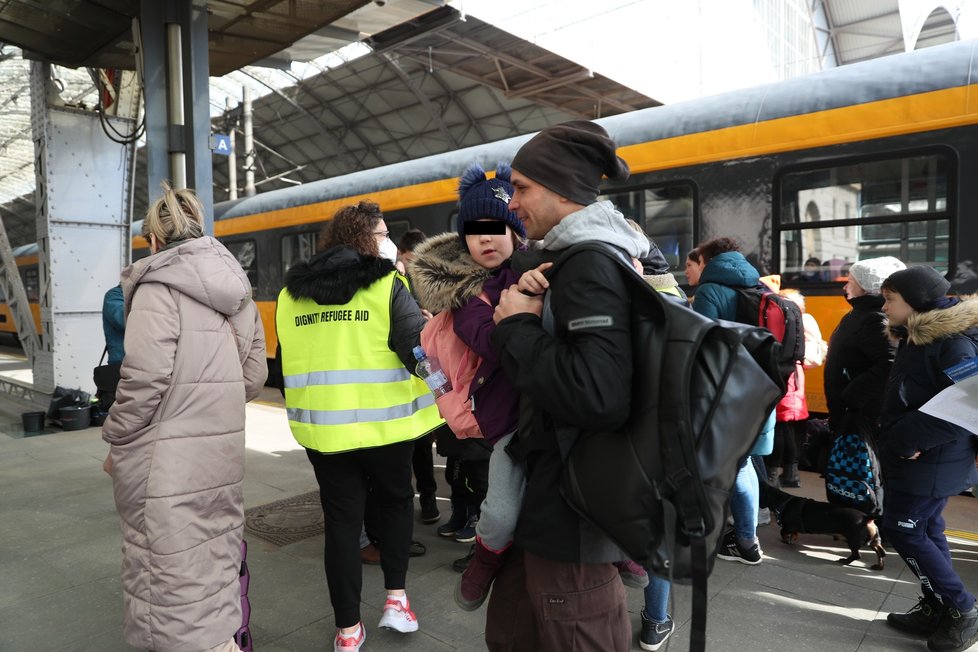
[422, 194]
[942, 109]
[915, 113]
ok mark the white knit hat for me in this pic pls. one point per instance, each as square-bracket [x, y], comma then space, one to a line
[871, 273]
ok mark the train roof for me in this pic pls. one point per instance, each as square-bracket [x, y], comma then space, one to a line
[932, 69]
[25, 250]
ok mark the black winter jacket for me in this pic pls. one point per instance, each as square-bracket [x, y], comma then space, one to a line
[933, 341]
[579, 378]
[857, 364]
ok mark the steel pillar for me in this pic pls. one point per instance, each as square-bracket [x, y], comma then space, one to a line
[83, 206]
[175, 64]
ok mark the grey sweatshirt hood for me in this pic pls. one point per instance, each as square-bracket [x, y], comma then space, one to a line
[597, 221]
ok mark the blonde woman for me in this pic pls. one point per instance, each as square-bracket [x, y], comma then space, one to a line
[195, 353]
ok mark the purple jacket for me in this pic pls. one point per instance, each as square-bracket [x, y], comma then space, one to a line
[494, 399]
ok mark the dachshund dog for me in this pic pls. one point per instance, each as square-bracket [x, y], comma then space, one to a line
[797, 515]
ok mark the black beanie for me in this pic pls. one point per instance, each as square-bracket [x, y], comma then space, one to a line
[919, 285]
[570, 159]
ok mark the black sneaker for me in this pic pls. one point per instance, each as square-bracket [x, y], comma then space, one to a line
[429, 509]
[730, 550]
[460, 564]
[922, 619]
[654, 635]
[456, 522]
[958, 631]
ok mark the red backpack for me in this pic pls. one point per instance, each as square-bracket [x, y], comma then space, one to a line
[460, 364]
[758, 306]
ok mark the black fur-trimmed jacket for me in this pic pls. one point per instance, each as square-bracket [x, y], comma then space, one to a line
[334, 276]
[931, 342]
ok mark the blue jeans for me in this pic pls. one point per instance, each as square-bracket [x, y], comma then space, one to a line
[744, 501]
[657, 598]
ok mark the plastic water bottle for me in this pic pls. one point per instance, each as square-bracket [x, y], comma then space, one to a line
[431, 373]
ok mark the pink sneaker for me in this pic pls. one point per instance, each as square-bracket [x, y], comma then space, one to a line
[398, 617]
[349, 643]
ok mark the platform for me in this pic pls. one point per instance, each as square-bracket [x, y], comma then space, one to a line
[60, 559]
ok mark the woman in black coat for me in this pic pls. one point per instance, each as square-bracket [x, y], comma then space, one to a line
[860, 354]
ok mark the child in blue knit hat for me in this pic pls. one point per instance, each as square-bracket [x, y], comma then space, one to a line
[466, 273]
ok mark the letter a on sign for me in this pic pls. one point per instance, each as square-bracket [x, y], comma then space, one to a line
[221, 144]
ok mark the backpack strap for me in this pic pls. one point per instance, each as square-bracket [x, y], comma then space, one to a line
[684, 486]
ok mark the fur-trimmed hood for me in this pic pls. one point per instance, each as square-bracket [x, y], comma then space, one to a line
[660, 282]
[925, 327]
[332, 277]
[443, 274]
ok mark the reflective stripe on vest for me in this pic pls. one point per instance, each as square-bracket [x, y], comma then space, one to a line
[344, 388]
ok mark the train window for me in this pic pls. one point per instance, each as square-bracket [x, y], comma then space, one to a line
[32, 284]
[246, 252]
[831, 217]
[397, 229]
[666, 214]
[297, 248]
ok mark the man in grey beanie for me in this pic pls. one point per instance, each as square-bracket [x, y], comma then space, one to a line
[560, 590]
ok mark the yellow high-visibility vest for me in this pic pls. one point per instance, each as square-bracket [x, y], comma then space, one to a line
[344, 388]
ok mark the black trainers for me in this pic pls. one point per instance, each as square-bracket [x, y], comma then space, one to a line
[455, 522]
[654, 635]
[730, 550]
[460, 564]
[429, 509]
[958, 631]
[922, 619]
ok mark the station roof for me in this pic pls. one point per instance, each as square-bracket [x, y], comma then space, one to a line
[430, 81]
[80, 33]
[431, 85]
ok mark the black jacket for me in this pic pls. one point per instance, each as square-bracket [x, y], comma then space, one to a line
[579, 378]
[932, 341]
[333, 276]
[857, 364]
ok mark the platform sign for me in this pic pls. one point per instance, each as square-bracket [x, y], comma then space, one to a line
[221, 144]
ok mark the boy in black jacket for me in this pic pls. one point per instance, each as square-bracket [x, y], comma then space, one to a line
[925, 459]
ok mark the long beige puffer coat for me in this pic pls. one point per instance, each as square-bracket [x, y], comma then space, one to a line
[195, 353]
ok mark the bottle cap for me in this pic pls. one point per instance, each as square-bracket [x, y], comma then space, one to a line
[418, 352]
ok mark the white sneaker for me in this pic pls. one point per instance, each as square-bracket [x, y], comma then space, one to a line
[398, 617]
[763, 516]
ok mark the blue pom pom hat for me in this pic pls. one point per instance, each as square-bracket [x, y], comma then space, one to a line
[480, 198]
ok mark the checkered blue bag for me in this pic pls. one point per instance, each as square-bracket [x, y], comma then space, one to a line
[852, 477]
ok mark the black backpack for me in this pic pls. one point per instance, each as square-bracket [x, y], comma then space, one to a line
[758, 306]
[659, 487]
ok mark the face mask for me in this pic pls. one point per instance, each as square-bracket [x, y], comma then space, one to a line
[388, 250]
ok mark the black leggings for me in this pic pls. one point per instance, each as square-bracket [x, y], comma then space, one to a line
[344, 479]
[469, 480]
[786, 436]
